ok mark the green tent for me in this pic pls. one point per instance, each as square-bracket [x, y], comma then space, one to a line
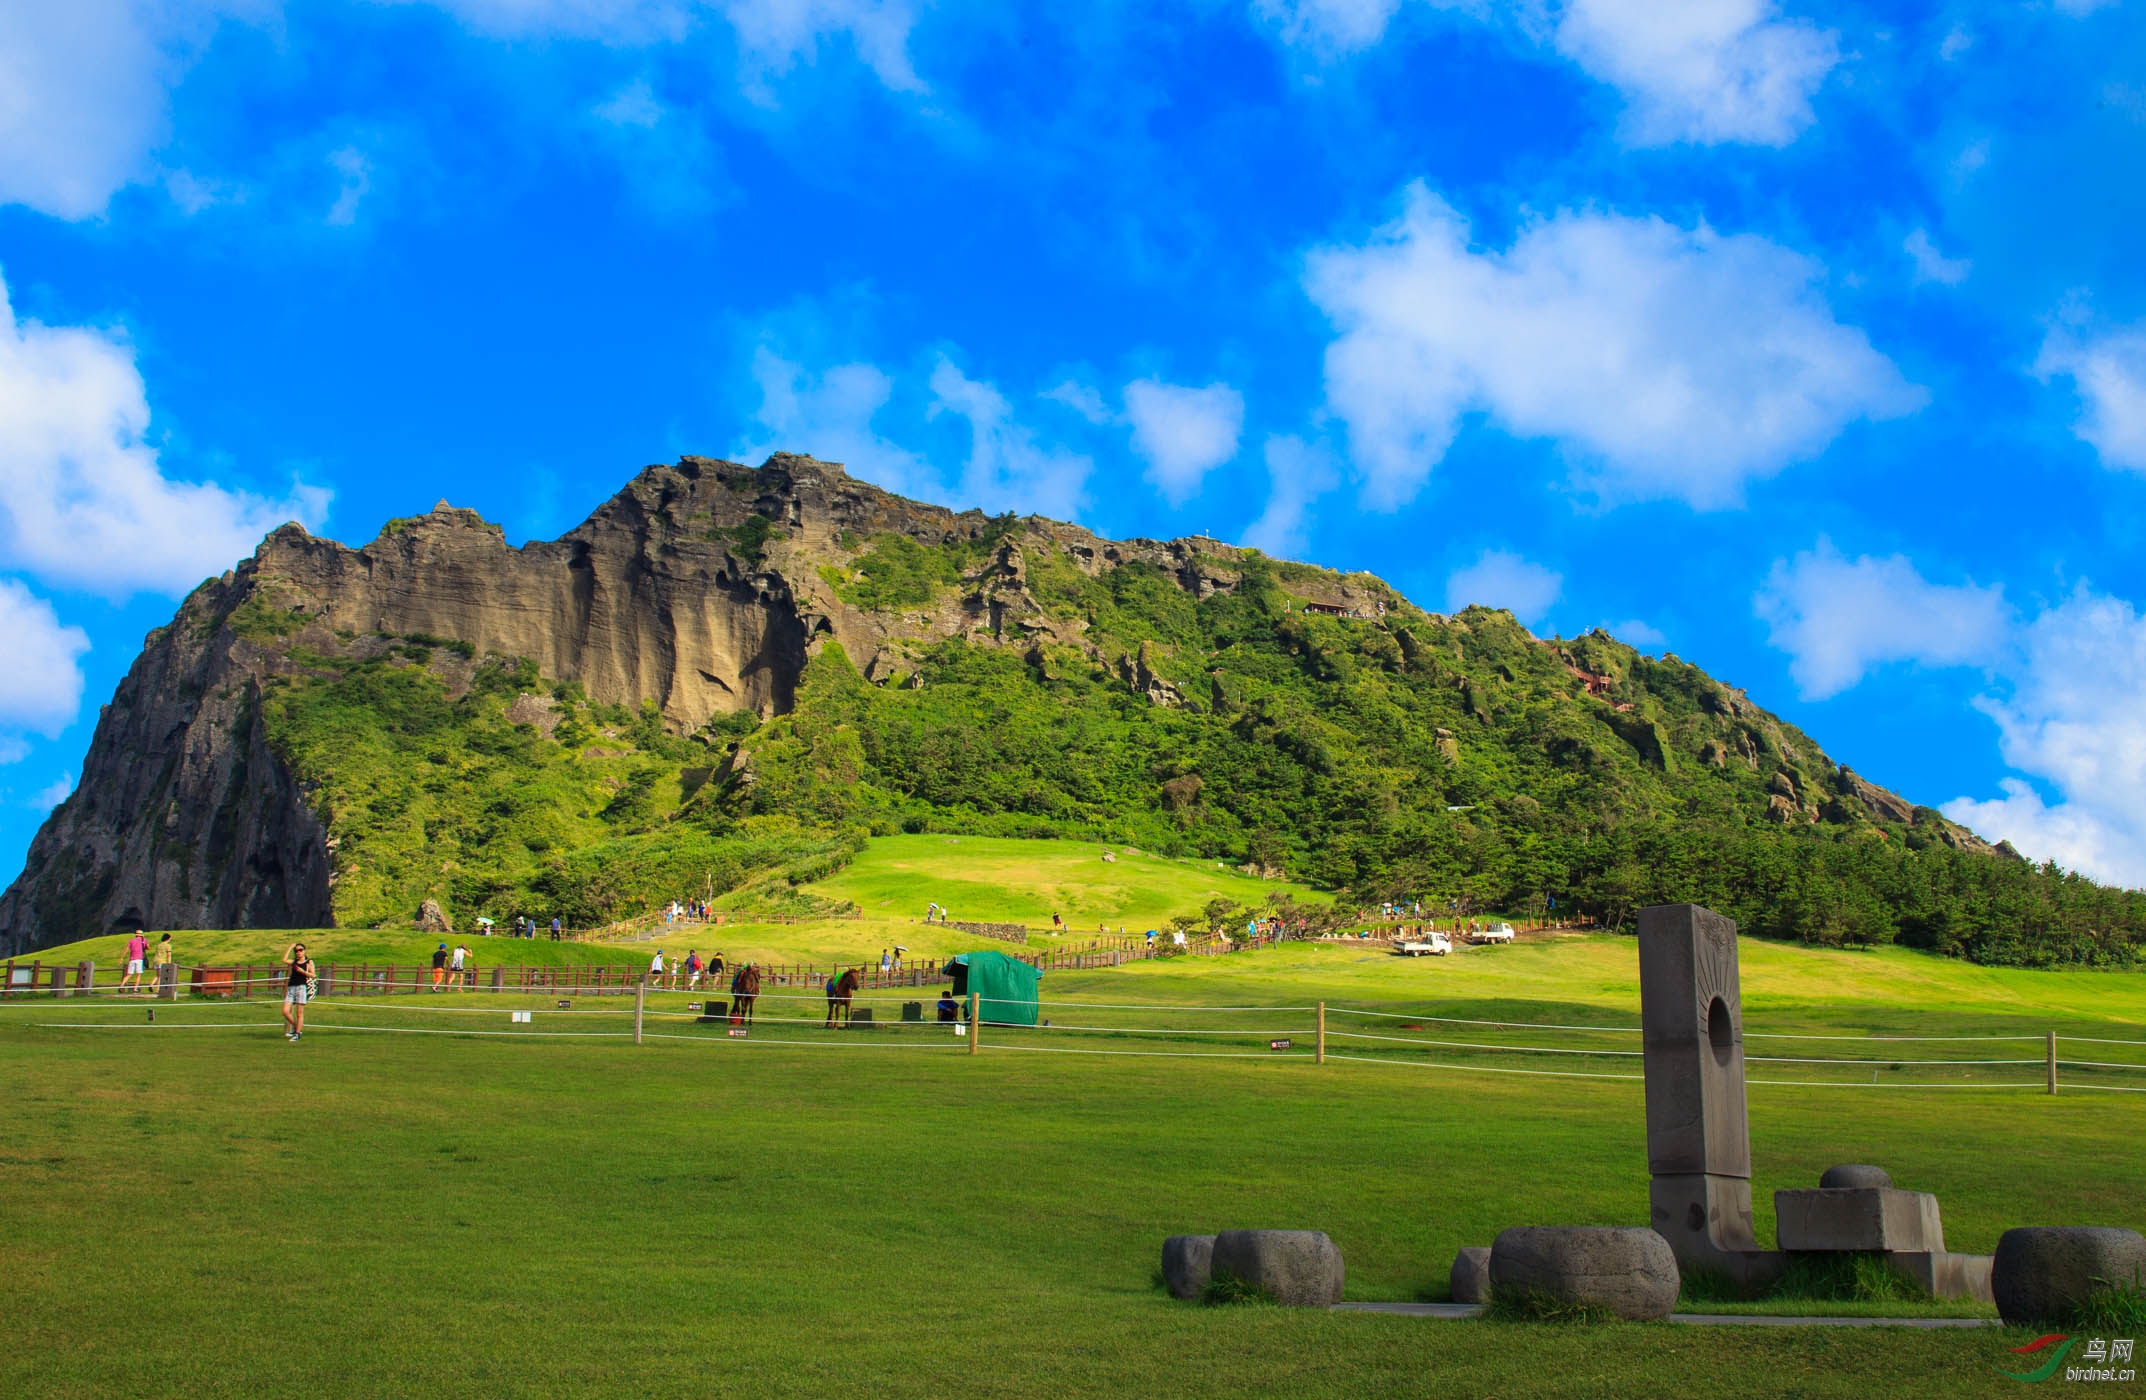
[1005, 987]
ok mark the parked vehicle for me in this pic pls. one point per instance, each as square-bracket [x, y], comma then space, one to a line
[1496, 933]
[1429, 943]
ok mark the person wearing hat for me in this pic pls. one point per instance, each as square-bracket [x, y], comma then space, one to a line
[297, 990]
[439, 966]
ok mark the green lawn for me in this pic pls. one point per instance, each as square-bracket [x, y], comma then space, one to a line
[456, 1215]
[997, 880]
[807, 1212]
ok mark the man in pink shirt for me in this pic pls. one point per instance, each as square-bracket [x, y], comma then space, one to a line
[137, 949]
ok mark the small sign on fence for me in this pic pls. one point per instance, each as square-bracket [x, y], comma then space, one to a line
[692, 1006]
[960, 1029]
[1282, 1044]
[520, 1015]
[564, 1004]
[737, 1032]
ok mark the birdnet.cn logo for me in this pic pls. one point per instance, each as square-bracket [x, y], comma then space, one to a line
[2102, 1359]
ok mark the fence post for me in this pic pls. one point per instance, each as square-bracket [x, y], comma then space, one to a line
[2052, 1062]
[975, 1021]
[1318, 1054]
[640, 1000]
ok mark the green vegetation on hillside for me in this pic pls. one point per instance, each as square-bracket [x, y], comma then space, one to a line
[1393, 753]
[431, 794]
[1444, 758]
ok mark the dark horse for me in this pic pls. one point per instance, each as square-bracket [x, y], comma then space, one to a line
[744, 991]
[838, 994]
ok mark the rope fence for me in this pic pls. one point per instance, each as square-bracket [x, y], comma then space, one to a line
[1313, 1034]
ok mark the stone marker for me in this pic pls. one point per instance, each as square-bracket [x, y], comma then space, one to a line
[1632, 1272]
[1471, 1276]
[1187, 1262]
[1297, 1268]
[2041, 1273]
[1698, 1137]
[1858, 1218]
[1855, 1175]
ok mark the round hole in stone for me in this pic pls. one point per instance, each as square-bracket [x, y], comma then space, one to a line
[1718, 1031]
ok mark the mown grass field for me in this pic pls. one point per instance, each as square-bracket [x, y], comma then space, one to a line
[218, 1212]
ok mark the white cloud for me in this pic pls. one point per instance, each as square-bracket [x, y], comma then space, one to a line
[1933, 266]
[1635, 633]
[83, 87]
[1669, 362]
[1007, 469]
[55, 793]
[1837, 618]
[1501, 579]
[2109, 372]
[1329, 26]
[85, 84]
[357, 180]
[774, 35]
[1693, 70]
[2073, 719]
[829, 416]
[632, 105]
[1299, 472]
[1182, 432]
[1701, 70]
[1958, 40]
[41, 684]
[83, 501]
[1082, 399]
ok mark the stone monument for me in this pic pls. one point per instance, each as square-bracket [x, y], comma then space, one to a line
[1698, 1138]
[1699, 1143]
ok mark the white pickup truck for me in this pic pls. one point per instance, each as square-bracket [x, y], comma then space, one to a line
[1496, 933]
[1431, 943]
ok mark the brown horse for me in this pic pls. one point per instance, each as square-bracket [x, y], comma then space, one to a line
[744, 991]
[838, 994]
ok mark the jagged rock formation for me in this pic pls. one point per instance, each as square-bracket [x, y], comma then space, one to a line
[702, 589]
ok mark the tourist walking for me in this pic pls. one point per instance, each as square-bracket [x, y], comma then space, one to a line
[297, 990]
[555, 928]
[439, 966]
[163, 964]
[459, 966]
[137, 949]
[655, 968]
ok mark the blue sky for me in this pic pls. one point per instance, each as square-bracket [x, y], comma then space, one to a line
[1806, 341]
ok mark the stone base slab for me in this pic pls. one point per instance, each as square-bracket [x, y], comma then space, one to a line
[1864, 1219]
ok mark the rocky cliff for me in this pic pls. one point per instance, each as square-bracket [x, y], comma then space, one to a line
[696, 599]
[698, 588]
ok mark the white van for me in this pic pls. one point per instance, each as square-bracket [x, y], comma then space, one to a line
[1496, 933]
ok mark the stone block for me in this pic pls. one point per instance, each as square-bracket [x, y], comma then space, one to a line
[1631, 1272]
[1471, 1276]
[1187, 1264]
[1855, 1174]
[1860, 1218]
[1691, 1018]
[1297, 1268]
[1944, 1275]
[2040, 1273]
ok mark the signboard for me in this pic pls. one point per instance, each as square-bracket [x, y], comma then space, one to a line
[1282, 1044]
[519, 1015]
